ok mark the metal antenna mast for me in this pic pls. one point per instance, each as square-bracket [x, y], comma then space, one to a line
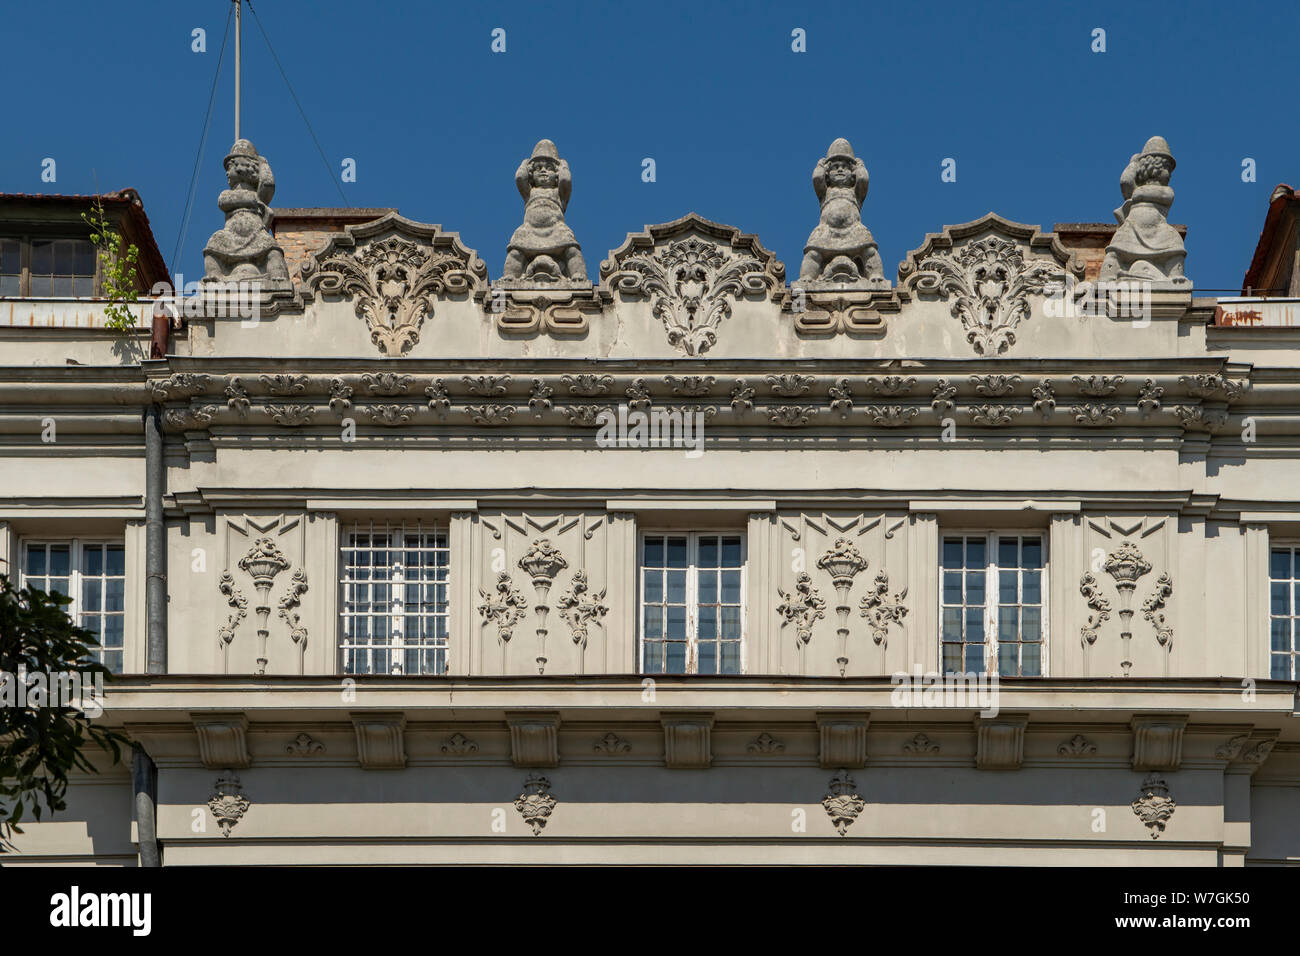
[239, 8]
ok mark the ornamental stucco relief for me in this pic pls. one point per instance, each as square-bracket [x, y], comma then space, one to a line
[393, 269]
[693, 271]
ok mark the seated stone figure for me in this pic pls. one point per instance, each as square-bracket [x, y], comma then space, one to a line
[544, 248]
[840, 249]
[244, 249]
[1146, 247]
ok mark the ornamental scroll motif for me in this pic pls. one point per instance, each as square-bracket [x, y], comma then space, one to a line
[989, 277]
[393, 269]
[692, 270]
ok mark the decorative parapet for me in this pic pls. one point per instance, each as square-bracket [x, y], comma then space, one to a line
[534, 739]
[1158, 741]
[1000, 741]
[393, 270]
[380, 740]
[842, 740]
[987, 269]
[688, 740]
[223, 740]
[692, 270]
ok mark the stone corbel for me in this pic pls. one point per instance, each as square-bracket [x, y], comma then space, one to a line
[688, 741]
[1247, 752]
[1000, 741]
[380, 740]
[843, 741]
[534, 739]
[1158, 741]
[223, 740]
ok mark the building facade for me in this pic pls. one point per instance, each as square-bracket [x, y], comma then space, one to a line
[995, 560]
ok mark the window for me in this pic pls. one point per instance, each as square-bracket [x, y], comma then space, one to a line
[47, 267]
[1284, 610]
[11, 268]
[394, 600]
[93, 574]
[992, 604]
[692, 603]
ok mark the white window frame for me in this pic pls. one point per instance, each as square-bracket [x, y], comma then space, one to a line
[692, 595]
[76, 548]
[991, 594]
[1293, 546]
[396, 614]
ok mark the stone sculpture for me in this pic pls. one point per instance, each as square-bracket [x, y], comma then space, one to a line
[1146, 247]
[243, 250]
[544, 249]
[840, 249]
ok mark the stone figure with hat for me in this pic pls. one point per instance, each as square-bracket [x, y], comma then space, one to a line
[841, 250]
[244, 249]
[544, 249]
[1145, 246]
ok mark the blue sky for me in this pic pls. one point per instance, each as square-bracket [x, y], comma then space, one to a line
[1040, 126]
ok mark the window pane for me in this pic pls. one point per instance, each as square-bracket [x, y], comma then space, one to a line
[1030, 663]
[975, 553]
[951, 658]
[708, 587]
[35, 563]
[1007, 663]
[1280, 629]
[92, 559]
[1031, 553]
[676, 623]
[952, 624]
[708, 658]
[709, 552]
[1279, 597]
[952, 552]
[1031, 627]
[731, 623]
[951, 587]
[1007, 587]
[677, 552]
[676, 587]
[708, 623]
[731, 587]
[730, 657]
[731, 551]
[1007, 556]
[10, 286]
[1031, 587]
[1280, 563]
[42, 257]
[60, 559]
[654, 552]
[676, 658]
[975, 657]
[1008, 629]
[10, 257]
[84, 260]
[653, 586]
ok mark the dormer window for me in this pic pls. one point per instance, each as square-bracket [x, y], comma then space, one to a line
[42, 267]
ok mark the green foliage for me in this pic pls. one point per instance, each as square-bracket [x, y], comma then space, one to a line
[119, 269]
[41, 746]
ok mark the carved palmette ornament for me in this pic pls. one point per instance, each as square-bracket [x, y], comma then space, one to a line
[535, 804]
[393, 270]
[1154, 805]
[989, 276]
[228, 803]
[692, 270]
[843, 803]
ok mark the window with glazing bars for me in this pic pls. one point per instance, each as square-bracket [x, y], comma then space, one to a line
[393, 600]
[992, 604]
[1284, 610]
[692, 603]
[93, 574]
